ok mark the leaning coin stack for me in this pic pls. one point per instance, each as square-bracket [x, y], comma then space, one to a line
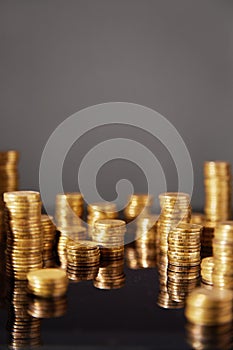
[209, 307]
[83, 259]
[223, 255]
[9, 180]
[49, 233]
[47, 283]
[217, 180]
[207, 268]
[138, 204]
[99, 211]
[47, 308]
[183, 260]
[109, 235]
[24, 234]
[24, 331]
[69, 209]
[80, 234]
[111, 275]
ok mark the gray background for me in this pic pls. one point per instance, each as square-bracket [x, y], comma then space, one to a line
[58, 57]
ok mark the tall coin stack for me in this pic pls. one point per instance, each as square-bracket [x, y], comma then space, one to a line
[49, 234]
[184, 259]
[138, 204]
[80, 234]
[69, 209]
[175, 208]
[9, 179]
[83, 259]
[111, 275]
[109, 234]
[217, 180]
[24, 234]
[223, 255]
[207, 268]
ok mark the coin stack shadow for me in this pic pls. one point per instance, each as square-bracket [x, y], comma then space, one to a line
[49, 235]
[24, 234]
[138, 204]
[207, 269]
[83, 259]
[175, 208]
[183, 260]
[209, 319]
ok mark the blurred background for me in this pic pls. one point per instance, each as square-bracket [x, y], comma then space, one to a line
[58, 57]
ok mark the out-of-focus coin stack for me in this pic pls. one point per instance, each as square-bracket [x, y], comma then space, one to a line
[111, 275]
[209, 316]
[223, 255]
[197, 218]
[47, 308]
[49, 234]
[47, 283]
[80, 234]
[109, 234]
[83, 259]
[183, 260]
[207, 237]
[99, 211]
[175, 208]
[9, 181]
[24, 234]
[218, 183]
[207, 268]
[131, 256]
[24, 331]
[138, 204]
[69, 209]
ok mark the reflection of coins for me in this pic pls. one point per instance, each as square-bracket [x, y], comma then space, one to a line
[47, 308]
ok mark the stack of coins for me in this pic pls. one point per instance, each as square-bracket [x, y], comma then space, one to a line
[223, 255]
[24, 234]
[109, 234]
[80, 234]
[99, 211]
[207, 239]
[138, 204]
[9, 180]
[83, 259]
[131, 256]
[209, 307]
[47, 308]
[207, 268]
[69, 209]
[183, 260]
[217, 180]
[47, 283]
[111, 275]
[24, 331]
[49, 234]
[197, 218]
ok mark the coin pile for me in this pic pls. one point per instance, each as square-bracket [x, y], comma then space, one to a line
[24, 331]
[99, 211]
[48, 283]
[207, 239]
[207, 268]
[49, 234]
[9, 180]
[80, 234]
[83, 259]
[183, 260]
[209, 307]
[197, 218]
[217, 180]
[223, 255]
[47, 308]
[111, 275]
[138, 204]
[69, 209]
[109, 234]
[24, 234]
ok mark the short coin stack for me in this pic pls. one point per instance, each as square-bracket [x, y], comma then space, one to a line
[83, 259]
[69, 209]
[49, 234]
[109, 234]
[197, 218]
[99, 211]
[48, 283]
[183, 260]
[218, 183]
[24, 235]
[47, 308]
[207, 268]
[138, 204]
[223, 255]
[111, 275]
